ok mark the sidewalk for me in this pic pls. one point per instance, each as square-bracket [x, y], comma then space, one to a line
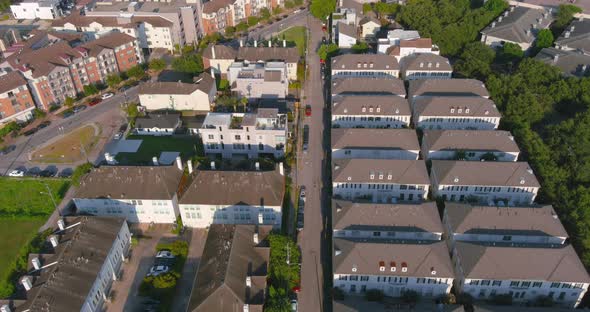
[196, 241]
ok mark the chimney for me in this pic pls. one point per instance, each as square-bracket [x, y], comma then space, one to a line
[567, 34]
[555, 57]
[493, 24]
[178, 162]
[284, 43]
[257, 165]
[5, 308]
[248, 281]
[155, 161]
[269, 44]
[213, 51]
[241, 43]
[190, 166]
[255, 44]
[281, 169]
[36, 263]
[27, 283]
[61, 224]
[213, 165]
[246, 307]
[54, 240]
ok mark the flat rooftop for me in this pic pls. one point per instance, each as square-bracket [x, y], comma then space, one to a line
[110, 6]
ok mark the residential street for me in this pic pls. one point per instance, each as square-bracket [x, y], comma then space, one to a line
[295, 19]
[312, 174]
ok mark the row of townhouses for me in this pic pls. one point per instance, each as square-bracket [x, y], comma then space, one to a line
[491, 238]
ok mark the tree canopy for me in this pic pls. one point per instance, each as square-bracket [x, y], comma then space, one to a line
[544, 39]
[188, 63]
[359, 48]
[328, 50]
[322, 8]
[156, 65]
[476, 60]
[565, 14]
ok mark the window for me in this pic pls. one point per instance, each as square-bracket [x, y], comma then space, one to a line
[354, 278]
[496, 283]
[514, 284]
[485, 283]
[537, 284]
[507, 238]
[364, 278]
[554, 285]
[376, 234]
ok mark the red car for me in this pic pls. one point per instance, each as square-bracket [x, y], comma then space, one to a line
[308, 110]
[94, 102]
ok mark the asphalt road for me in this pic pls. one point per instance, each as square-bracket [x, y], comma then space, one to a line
[295, 19]
[312, 173]
[106, 113]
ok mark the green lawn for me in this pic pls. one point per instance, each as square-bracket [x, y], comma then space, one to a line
[296, 34]
[28, 197]
[152, 146]
[16, 234]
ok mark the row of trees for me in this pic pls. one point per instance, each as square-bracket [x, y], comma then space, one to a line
[284, 272]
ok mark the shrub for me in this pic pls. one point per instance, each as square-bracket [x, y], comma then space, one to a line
[69, 102]
[80, 171]
[8, 128]
[113, 80]
[37, 113]
[337, 293]
[253, 20]
[543, 301]
[138, 72]
[223, 85]
[90, 90]
[374, 295]
[230, 30]
[410, 296]
[53, 107]
[156, 65]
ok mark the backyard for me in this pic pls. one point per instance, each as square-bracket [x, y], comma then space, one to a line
[153, 145]
[67, 149]
[296, 34]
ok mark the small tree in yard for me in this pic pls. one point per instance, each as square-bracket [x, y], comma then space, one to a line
[264, 13]
[359, 48]
[138, 72]
[188, 63]
[241, 27]
[90, 90]
[113, 80]
[253, 20]
[80, 171]
[230, 31]
[544, 39]
[69, 101]
[328, 50]
[156, 65]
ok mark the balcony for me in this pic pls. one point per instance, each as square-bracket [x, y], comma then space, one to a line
[236, 123]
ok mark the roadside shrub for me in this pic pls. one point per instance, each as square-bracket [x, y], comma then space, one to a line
[37, 113]
[80, 171]
[374, 295]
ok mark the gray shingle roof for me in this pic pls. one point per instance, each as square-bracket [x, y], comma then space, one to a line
[354, 104]
[538, 220]
[469, 140]
[346, 29]
[222, 52]
[485, 173]
[380, 62]
[578, 36]
[426, 61]
[205, 83]
[358, 138]
[360, 85]
[442, 106]
[514, 25]
[447, 87]
[156, 120]
[359, 171]
[560, 264]
[571, 63]
[255, 54]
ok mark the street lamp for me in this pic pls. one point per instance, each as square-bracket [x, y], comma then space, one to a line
[51, 196]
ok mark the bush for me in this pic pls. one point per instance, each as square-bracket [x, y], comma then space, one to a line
[8, 128]
[80, 171]
[188, 63]
[503, 299]
[138, 72]
[69, 102]
[543, 301]
[157, 65]
[374, 295]
[54, 107]
[113, 80]
[223, 85]
[253, 20]
[187, 49]
[90, 90]
[447, 299]
[177, 226]
[241, 27]
[230, 30]
[37, 113]
[337, 293]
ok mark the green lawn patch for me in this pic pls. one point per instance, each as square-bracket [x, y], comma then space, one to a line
[297, 34]
[153, 145]
[28, 197]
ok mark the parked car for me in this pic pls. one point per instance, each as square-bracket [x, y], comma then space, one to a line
[157, 270]
[118, 135]
[16, 173]
[107, 95]
[33, 172]
[31, 132]
[302, 192]
[7, 149]
[123, 128]
[294, 305]
[165, 254]
[67, 114]
[44, 124]
[94, 102]
[308, 110]
[66, 173]
[79, 108]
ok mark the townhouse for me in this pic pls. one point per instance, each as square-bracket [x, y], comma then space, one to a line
[469, 145]
[571, 62]
[218, 197]
[368, 86]
[151, 32]
[488, 183]
[393, 267]
[346, 35]
[394, 37]
[256, 80]
[455, 112]
[365, 65]
[446, 87]
[233, 272]
[374, 143]
[370, 111]
[16, 101]
[576, 37]
[348, 13]
[518, 25]
[141, 194]
[380, 180]
[36, 9]
[157, 16]
[217, 15]
[369, 26]
[425, 66]
[157, 124]
[554, 4]
[76, 268]
[245, 135]
[407, 47]
[197, 96]
[364, 220]
[218, 58]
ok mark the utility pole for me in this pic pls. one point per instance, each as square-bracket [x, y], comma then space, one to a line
[51, 196]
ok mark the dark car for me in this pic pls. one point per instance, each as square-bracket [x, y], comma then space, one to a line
[124, 88]
[67, 114]
[66, 173]
[50, 171]
[44, 124]
[7, 149]
[79, 108]
[31, 132]
[94, 101]
[123, 128]
[33, 172]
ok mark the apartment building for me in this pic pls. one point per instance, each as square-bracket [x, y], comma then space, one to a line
[576, 37]
[364, 220]
[407, 47]
[425, 66]
[218, 197]
[572, 63]
[393, 266]
[470, 113]
[394, 37]
[256, 80]
[183, 14]
[197, 96]
[518, 25]
[114, 53]
[151, 32]
[76, 268]
[373, 143]
[469, 145]
[446, 87]
[370, 111]
[247, 135]
[217, 15]
[365, 65]
[553, 5]
[233, 272]
[368, 86]
[488, 183]
[16, 101]
[141, 194]
[33, 9]
[380, 180]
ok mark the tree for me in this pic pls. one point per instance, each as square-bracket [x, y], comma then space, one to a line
[476, 60]
[37, 113]
[264, 13]
[328, 50]
[544, 39]
[69, 101]
[322, 8]
[138, 72]
[113, 80]
[298, 2]
[241, 27]
[90, 89]
[230, 31]
[383, 9]
[155, 65]
[253, 20]
[80, 171]
[277, 10]
[360, 48]
[289, 4]
[565, 14]
[495, 5]
[367, 8]
[223, 85]
[512, 51]
[188, 63]
[187, 49]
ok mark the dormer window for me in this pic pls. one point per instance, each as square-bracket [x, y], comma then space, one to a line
[466, 110]
[364, 109]
[380, 176]
[389, 176]
[452, 110]
[372, 176]
[370, 109]
[378, 109]
[459, 110]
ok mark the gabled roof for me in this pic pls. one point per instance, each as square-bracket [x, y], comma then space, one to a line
[484, 173]
[360, 170]
[571, 63]
[365, 62]
[383, 139]
[354, 104]
[346, 29]
[204, 83]
[222, 52]
[447, 87]
[514, 23]
[368, 85]
[421, 260]
[538, 220]
[426, 61]
[456, 106]
[578, 36]
[421, 217]
[230, 256]
[266, 54]
[111, 40]
[559, 264]
[111, 21]
[11, 80]
[43, 61]
[157, 120]
[369, 19]
[469, 140]
[213, 6]
[217, 187]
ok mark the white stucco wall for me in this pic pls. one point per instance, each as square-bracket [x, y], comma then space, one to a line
[381, 192]
[201, 216]
[136, 210]
[374, 153]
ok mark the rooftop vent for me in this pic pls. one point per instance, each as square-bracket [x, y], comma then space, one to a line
[27, 282]
[54, 240]
[61, 224]
[36, 263]
[248, 281]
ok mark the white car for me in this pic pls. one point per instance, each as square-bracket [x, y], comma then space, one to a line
[118, 135]
[164, 254]
[16, 173]
[106, 96]
[157, 270]
[294, 305]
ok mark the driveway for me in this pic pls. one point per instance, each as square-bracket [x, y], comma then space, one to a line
[197, 239]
